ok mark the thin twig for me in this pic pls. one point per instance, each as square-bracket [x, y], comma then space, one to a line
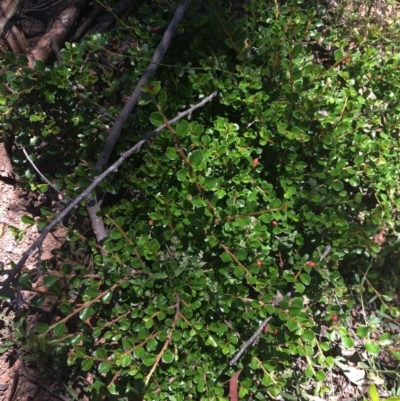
[94, 206]
[41, 175]
[325, 253]
[169, 336]
[252, 339]
[12, 274]
[14, 386]
[169, 5]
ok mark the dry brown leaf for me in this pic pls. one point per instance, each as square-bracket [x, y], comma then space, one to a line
[233, 387]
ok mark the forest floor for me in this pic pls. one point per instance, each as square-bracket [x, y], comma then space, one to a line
[16, 202]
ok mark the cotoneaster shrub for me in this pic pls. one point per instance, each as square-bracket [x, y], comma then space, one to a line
[225, 218]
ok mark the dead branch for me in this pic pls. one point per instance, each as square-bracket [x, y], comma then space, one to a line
[15, 271]
[93, 205]
[251, 341]
[58, 31]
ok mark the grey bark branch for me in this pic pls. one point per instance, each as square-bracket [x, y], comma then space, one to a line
[93, 205]
[248, 343]
[12, 274]
[149, 72]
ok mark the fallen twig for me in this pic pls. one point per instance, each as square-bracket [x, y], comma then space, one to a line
[13, 273]
[249, 342]
[94, 205]
[58, 31]
[40, 174]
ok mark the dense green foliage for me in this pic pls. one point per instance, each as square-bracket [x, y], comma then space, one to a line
[222, 219]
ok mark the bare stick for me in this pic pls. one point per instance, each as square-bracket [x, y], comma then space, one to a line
[94, 206]
[247, 344]
[41, 175]
[12, 274]
[149, 72]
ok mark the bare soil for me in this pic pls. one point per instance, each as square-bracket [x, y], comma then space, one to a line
[15, 203]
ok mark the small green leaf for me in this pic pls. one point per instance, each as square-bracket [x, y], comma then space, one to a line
[91, 292]
[104, 367]
[290, 192]
[49, 280]
[172, 153]
[206, 140]
[79, 352]
[149, 360]
[27, 220]
[358, 159]
[372, 348]
[226, 257]
[126, 361]
[168, 356]
[305, 278]
[156, 119]
[337, 185]
[308, 335]
[42, 327]
[348, 342]
[35, 117]
[238, 271]
[292, 325]
[196, 157]
[363, 331]
[39, 65]
[66, 309]
[182, 175]
[144, 99]
[153, 88]
[112, 388]
[182, 127]
[241, 254]
[309, 372]
[115, 234]
[151, 345]
[385, 340]
[139, 352]
[373, 392]
[338, 55]
[159, 276]
[299, 287]
[37, 301]
[211, 183]
[395, 354]
[106, 297]
[211, 341]
[87, 365]
[86, 313]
